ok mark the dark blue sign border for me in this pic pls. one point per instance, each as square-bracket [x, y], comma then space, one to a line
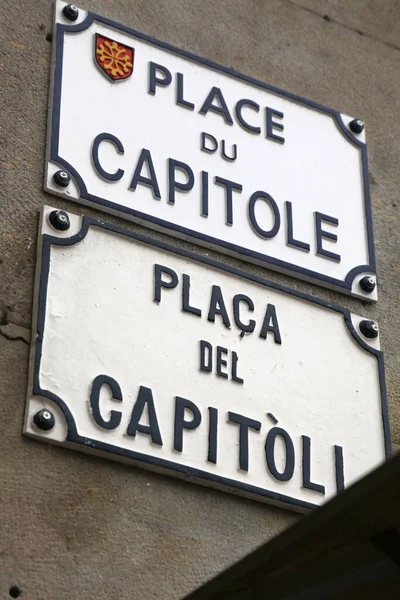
[180, 470]
[238, 251]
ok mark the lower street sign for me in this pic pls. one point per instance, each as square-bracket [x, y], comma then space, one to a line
[148, 354]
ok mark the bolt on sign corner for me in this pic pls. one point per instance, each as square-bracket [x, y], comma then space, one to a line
[246, 396]
[178, 143]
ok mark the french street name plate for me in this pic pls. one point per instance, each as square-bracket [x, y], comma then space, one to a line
[158, 135]
[149, 354]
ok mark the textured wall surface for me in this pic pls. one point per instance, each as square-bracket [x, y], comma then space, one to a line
[73, 526]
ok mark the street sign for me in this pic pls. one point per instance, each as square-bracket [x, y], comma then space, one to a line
[149, 354]
[158, 135]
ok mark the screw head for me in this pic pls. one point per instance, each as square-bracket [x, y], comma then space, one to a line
[59, 220]
[61, 178]
[70, 12]
[369, 329]
[367, 284]
[356, 125]
[44, 419]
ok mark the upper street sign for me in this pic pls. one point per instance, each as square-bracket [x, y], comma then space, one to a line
[176, 142]
[146, 353]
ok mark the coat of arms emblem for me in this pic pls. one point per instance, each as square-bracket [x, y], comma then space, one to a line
[114, 59]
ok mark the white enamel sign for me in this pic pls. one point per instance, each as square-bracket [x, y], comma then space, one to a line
[146, 353]
[175, 142]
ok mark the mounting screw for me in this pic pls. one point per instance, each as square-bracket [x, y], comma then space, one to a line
[369, 329]
[367, 284]
[44, 419]
[60, 220]
[61, 178]
[356, 125]
[14, 591]
[70, 12]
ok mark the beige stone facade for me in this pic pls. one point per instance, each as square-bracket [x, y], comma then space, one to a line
[75, 526]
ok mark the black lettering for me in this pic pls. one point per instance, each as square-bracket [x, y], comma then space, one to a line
[159, 283]
[145, 158]
[252, 214]
[288, 471]
[306, 468]
[179, 93]
[222, 109]
[173, 184]
[224, 154]
[106, 137]
[186, 297]
[229, 186]
[249, 327]
[327, 235]
[270, 324]
[221, 362]
[244, 425]
[290, 239]
[235, 376]
[154, 80]
[204, 194]
[145, 400]
[217, 307]
[206, 361]
[339, 468]
[212, 434]
[240, 118]
[210, 138]
[181, 405]
[115, 416]
[271, 125]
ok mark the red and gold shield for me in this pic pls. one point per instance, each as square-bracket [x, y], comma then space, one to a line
[114, 59]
